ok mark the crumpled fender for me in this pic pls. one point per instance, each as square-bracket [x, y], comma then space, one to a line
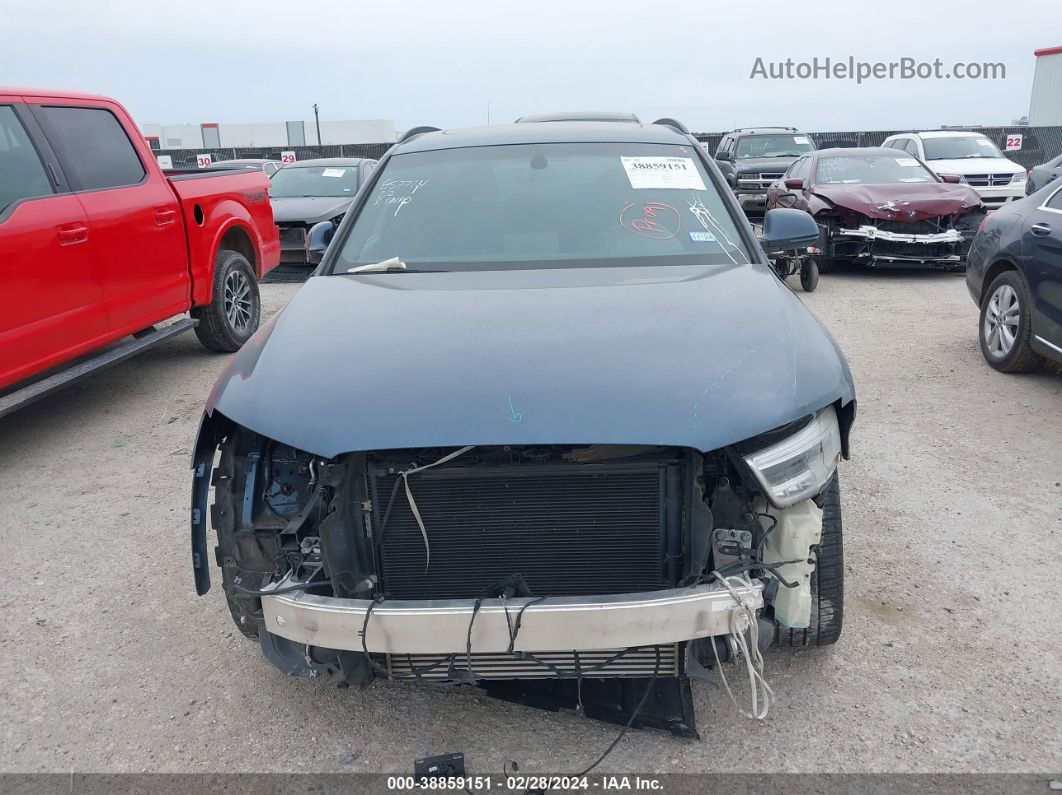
[906, 203]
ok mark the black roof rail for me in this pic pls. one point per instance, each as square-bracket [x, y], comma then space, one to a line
[409, 135]
[674, 124]
[753, 129]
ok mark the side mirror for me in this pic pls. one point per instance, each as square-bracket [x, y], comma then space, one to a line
[794, 183]
[317, 240]
[953, 179]
[725, 156]
[785, 228]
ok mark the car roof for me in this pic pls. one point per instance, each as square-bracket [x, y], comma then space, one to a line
[859, 151]
[330, 161]
[586, 115]
[53, 93]
[765, 131]
[550, 132]
[944, 134]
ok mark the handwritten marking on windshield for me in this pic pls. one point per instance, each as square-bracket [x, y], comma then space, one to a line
[651, 219]
[514, 415]
[398, 192]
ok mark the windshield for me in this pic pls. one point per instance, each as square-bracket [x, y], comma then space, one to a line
[541, 206]
[293, 181]
[972, 146]
[871, 170]
[773, 146]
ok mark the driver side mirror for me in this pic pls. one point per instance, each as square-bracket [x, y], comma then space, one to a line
[317, 240]
[794, 183]
[724, 156]
[951, 179]
[785, 228]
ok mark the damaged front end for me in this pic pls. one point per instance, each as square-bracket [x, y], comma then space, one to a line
[940, 242]
[564, 576]
[862, 225]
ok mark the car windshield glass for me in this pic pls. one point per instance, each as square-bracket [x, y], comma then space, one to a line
[544, 205]
[314, 181]
[773, 146]
[973, 146]
[871, 170]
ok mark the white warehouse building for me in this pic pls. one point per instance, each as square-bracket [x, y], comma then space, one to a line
[1045, 106]
[212, 135]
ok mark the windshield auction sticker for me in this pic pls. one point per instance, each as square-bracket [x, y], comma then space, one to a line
[663, 172]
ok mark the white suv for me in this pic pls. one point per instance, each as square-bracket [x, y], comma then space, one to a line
[969, 155]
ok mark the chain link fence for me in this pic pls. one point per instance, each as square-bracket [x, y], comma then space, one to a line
[1039, 144]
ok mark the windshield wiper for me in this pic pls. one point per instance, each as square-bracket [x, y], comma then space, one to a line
[393, 264]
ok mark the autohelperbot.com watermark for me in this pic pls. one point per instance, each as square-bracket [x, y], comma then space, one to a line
[851, 68]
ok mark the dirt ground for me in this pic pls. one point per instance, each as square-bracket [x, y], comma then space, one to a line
[951, 657]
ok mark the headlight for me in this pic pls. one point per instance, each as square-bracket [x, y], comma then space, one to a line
[797, 467]
[1018, 178]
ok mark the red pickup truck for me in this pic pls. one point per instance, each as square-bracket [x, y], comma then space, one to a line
[97, 243]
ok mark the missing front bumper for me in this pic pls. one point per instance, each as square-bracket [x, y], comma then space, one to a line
[583, 623]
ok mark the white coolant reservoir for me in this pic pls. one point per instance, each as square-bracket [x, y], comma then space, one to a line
[799, 528]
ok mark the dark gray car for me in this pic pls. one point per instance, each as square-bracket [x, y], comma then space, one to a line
[1014, 273]
[752, 158]
[305, 193]
[544, 412]
[1042, 175]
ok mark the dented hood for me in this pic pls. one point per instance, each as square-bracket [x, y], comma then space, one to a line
[904, 202]
[697, 356]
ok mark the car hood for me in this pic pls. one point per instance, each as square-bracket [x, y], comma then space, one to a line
[975, 165]
[758, 164]
[909, 202]
[692, 356]
[308, 209]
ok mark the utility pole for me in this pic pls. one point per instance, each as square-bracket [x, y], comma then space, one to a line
[317, 121]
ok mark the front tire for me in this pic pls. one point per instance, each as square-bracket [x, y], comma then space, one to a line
[809, 275]
[235, 308]
[827, 581]
[1006, 325]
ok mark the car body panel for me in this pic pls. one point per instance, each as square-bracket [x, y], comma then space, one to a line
[1007, 240]
[582, 355]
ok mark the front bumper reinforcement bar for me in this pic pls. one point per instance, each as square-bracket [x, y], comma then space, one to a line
[440, 626]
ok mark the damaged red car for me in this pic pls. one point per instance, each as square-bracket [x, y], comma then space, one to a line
[881, 208]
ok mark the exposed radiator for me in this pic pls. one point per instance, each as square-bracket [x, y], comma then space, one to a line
[568, 529]
[635, 663]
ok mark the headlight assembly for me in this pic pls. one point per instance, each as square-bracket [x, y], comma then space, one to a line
[1018, 179]
[798, 466]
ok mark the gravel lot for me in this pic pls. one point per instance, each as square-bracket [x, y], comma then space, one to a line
[951, 659]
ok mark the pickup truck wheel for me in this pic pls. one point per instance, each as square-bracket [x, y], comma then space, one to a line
[1006, 325]
[235, 309]
[827, 581]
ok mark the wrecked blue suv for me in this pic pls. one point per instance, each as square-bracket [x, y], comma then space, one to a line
[545, 418]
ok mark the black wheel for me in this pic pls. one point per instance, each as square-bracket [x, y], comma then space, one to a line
[827, 581]
[1006, 325]
[235, 309]
[809, 275]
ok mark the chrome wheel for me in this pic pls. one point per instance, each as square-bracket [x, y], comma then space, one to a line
[1000, 327]
[238, 306]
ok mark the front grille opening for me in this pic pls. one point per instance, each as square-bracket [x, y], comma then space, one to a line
[570, 529]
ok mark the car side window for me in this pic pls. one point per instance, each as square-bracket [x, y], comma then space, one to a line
[912, 147]
[1055, 202]
[95, 150]
[24, 175]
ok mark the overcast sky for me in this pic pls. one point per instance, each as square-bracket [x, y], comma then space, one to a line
[441, 63]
